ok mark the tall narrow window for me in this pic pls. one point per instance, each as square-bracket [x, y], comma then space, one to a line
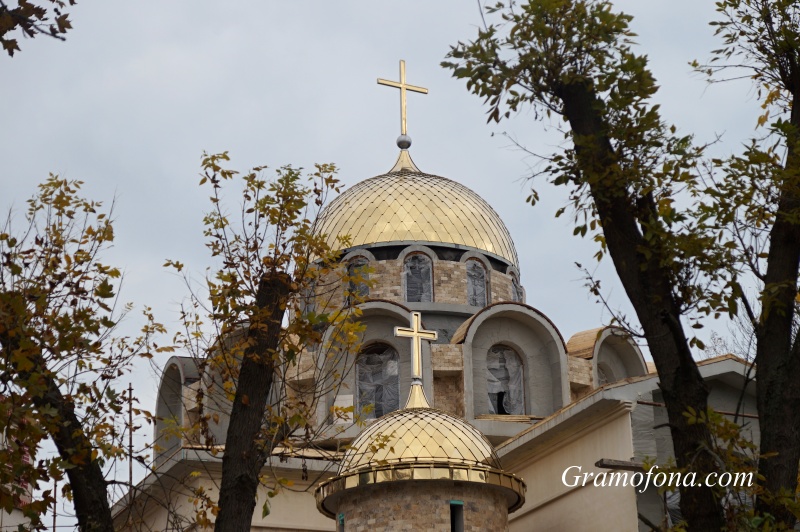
[504, 381]
[456, 516]
[516, 290]
[357, 279]
[378, 382]
[418, 274]
[476, 284]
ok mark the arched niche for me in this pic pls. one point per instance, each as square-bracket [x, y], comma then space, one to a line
[379, 318]
[377, 376]
[357, 287]
[417, 271]
[358, 252]
[537, 342]
[478, 276]
[616, 357]
[170, 411]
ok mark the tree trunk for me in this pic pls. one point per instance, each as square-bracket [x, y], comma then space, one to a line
[649, 288]
[777, 360]
[89, 488]
[245, 449]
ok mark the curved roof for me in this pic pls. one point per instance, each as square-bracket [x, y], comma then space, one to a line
[419, 444]
[583, 344]
[419, 434]
[408, 205]
[460, 335]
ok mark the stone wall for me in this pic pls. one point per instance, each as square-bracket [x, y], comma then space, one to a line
[581, 377]
[387, 276]
[449, 284]
[448, 394]
[447, 361]
[422, 505]
[500, 286]
[447, 358]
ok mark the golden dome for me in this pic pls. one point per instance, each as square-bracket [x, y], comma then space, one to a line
[419, 434]
[408, 205]
[419, 444]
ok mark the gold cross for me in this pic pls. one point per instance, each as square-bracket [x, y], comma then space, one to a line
[403, 86]
[417, 334]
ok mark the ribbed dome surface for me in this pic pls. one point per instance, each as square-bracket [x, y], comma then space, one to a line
[419, 435]
[419, 444]
[407, 205]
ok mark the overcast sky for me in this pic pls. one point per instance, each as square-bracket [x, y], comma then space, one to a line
[140, 88]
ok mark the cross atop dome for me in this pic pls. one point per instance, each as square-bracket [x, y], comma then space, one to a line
[403, 141]
[416, 398]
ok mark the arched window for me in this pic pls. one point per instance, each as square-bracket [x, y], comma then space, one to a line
[504, 381]
[377, 380]
[516, 290]
[357, 280]
[477, 287]
[418, 274]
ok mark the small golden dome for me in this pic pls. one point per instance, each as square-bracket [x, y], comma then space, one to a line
[419, 434]
[408, 205]
[419, 444]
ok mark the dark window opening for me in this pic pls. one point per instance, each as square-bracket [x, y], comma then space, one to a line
[456, 516]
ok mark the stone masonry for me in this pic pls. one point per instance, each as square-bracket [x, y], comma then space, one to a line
[423, 505]
[449, 283]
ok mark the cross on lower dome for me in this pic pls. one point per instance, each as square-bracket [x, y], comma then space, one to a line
[416, 397]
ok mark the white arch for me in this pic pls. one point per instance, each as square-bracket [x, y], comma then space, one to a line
[536, 340]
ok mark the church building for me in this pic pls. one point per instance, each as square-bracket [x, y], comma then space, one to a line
[485, 411]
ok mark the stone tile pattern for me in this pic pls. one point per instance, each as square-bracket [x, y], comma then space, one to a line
[449, 283]
[422, 505]
[448, 394]
[448, 378]
[447, 358]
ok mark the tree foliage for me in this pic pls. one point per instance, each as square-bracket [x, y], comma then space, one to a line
[31, 18]
[271, 338]
[59, 363]
[684, 232]
[279, 338]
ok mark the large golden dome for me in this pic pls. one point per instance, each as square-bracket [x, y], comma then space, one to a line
[419, 444]
[408, 205]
